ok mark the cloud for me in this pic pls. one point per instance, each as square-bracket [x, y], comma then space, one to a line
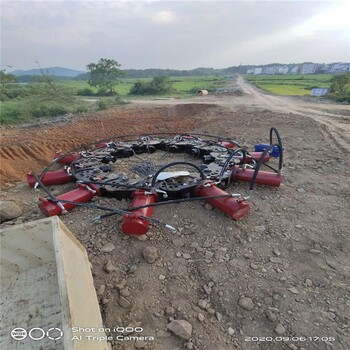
[169, 34]
[334, 19]
[164, 17]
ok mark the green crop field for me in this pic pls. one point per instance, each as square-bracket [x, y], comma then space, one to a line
[183, 86]
[292, 85]
[123, 87]
[186, 85]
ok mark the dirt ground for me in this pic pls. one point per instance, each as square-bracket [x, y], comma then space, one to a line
[290, 255]
[32, 147]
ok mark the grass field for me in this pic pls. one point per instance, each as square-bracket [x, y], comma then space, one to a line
[26, 102]
[184, 86]
[123, 88]
[292, 85]
[28, 108]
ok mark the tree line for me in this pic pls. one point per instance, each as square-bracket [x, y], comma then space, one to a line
[105, 74]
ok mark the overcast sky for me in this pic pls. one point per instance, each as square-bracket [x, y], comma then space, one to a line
[172, 34]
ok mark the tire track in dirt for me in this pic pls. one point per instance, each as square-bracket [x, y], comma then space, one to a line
[31, 147]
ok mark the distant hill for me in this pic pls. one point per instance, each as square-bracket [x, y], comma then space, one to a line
[54, 71]
[60, 73]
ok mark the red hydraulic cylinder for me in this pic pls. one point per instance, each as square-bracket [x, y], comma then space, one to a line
[66, 160]
[263, 178]
[58, 177]
[101, 144]
[257, 156]
[132, 223]
[82, 195]
[236, 208]
[227, 144]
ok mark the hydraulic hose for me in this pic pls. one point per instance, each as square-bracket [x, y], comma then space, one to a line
[227, 162]
[261, 162]
[279, 145]
[154, 178]
[112, 211]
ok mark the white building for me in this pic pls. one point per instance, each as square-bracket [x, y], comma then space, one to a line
[319, 91]
[258, 70]
[340, 67]
[294, 70]
[308, 68]
[270, 70]
[283, 70]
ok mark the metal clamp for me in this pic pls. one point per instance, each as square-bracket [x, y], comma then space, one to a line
[81, 184]
[165, 195]
[64, 211]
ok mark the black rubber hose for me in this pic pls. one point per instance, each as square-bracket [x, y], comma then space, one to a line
[260, 163]
[129, 211]
[175, 201]
[114, 211]
[154, 178]
[279, 145]
[86, 205]
[270, 167]
[244, 152]
[51, 196]
[123, 187]
[44, 171]
[181, 200]
[94, 206]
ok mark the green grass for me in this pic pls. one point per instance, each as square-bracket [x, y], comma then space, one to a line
[184, 86]
[288, 90]
[32, 101]
[122, 88]
[292, 85]
[23, 103]
[188, 85]
[27, 109]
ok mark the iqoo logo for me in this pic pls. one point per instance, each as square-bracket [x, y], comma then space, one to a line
[37, 333]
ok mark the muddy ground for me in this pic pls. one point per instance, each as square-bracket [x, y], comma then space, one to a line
[289, 256]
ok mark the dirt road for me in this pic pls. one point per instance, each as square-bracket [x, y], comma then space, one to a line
[334, 118]
[277, 279]
[336, 126]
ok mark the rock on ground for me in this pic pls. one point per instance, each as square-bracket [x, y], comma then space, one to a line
[200, 317]
[181, 328]
[108, 247]
[123, 302]
[279, 329]
[109, 267]
[246, 303]
[150, 254]
[231, 331]
[101, 290]
[140, 344]
[9, 210]
[271, 316]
